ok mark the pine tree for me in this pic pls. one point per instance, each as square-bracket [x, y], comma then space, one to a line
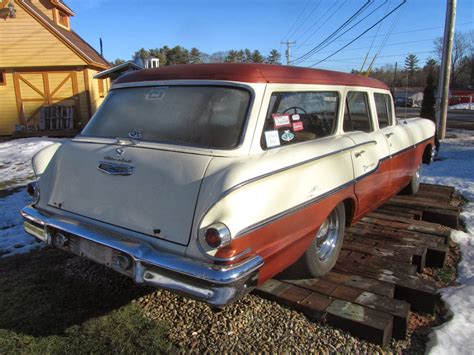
[274, 57]
[257, 57]
[411, 65]
[427, 106]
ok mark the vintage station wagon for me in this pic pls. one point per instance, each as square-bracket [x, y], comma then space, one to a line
[210, 179]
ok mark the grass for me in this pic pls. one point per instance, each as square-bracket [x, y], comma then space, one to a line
[43, 310]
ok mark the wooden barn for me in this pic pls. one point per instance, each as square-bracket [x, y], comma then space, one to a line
[47, 70]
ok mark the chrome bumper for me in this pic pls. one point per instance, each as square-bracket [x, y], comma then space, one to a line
[217, 285]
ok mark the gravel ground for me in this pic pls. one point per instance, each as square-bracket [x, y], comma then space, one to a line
[252, 324]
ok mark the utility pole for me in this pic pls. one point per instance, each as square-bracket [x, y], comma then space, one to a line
[443, 84]
[395, 76]
[288, 51]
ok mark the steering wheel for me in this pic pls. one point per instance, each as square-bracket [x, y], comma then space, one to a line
[296, 108]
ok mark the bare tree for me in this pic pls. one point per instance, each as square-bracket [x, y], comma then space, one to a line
[461, 45]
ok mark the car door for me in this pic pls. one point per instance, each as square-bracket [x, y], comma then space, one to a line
[399, 142]
[371, 172]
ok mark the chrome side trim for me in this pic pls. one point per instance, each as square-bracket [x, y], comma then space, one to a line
[296, 208]
[235, 187]
[259, 177]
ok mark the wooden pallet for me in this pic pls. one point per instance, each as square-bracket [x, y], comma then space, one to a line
[374, 284]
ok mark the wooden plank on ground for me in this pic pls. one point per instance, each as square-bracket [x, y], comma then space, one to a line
[400, 310]
[436, 249]
[391, 230]
[402, 223]
[416, 213]
[361, 321]
[408, 255]
[421, 294]
[365, 259]
[360, 282]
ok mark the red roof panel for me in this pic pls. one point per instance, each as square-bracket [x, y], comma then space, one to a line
[252, 73]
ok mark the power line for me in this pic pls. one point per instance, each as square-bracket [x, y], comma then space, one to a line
[373, 40]
[363, 33]
[359, 58]
[334, 33]
[316, 50]
[305, 19]
[297, 18]
[395, 33]
[385, 40]
[315, 22]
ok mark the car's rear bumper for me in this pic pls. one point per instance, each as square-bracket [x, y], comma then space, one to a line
[216, 285]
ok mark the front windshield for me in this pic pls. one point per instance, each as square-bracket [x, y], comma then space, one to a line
[200, 116]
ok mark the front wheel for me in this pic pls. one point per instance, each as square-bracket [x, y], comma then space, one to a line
[414, 186]
[324, 251]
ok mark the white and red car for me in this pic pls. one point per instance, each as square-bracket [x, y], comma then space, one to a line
[210, 179]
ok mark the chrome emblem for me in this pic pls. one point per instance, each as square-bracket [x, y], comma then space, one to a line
[119, 152]
[115, 169]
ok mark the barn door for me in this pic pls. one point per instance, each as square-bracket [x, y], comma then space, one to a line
[34, 90]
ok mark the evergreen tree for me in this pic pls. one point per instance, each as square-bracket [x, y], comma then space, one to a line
[411, 66]
[118, 61]
[257, 57]
[274, 57]
[427, 106]
[195, 56]
[233, 56]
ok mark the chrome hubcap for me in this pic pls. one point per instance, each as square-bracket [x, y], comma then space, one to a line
[327, 236]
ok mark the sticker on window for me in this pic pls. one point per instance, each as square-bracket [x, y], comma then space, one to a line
[330, 98]
[298, 126]
[157, 93]
[281, 120]
[136, 133]
[272, 139]
[295, 117]
[287, 136]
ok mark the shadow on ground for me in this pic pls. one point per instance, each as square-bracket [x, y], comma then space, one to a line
[45, 292]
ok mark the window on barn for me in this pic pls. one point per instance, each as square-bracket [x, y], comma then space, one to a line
[62, 19]
[3, 79]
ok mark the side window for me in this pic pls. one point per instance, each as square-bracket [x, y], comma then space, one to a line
[383, 104]
[357, 114]
[295, 117]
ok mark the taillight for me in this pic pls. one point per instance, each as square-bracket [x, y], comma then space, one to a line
[33, 191]
[217, 235]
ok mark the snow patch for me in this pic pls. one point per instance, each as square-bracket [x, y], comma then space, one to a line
[13, 239]
[466, 106]
[456, 168]
[15, 160]
[16, 171]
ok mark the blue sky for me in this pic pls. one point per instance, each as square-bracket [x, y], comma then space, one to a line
[210, 25]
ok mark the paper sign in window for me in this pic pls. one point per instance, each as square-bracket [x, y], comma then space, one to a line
[272, 139]
[280, 120]
[298, 126]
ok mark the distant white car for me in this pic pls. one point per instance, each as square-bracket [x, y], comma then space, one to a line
[210, 179]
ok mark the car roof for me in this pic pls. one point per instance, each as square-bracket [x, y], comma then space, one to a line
[251, 73]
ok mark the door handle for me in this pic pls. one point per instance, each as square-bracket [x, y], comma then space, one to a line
[359, 153]
[388, 135]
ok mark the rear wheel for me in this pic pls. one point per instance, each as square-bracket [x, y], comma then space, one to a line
[324, 251]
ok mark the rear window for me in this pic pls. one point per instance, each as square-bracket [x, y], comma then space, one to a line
[201, 116]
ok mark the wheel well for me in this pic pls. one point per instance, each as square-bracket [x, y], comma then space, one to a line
[427, 154]
[349, 207]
